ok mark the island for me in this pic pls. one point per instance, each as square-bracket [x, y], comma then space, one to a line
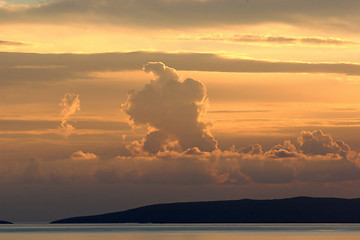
[289, 210]
[5, 222]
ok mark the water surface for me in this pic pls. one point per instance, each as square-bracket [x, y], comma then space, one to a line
[180, 231]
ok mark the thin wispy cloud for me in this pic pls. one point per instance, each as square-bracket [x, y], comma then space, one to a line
[12, 43]
[80, 155]
[263, 39]
[70, 104]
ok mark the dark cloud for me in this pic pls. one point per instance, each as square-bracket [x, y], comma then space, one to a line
[285, 150]
[26, 125]
[12, 75]
[269, 171]
[323, 168]
[12, 43]
[34, 67]
[156, 141]
[251, 149]
[283, 164]
[172, 168]
[191, 13]
[326, 41]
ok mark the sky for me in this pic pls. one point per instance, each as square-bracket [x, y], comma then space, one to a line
[109, 105]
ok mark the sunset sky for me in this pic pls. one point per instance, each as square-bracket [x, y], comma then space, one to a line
[107, 105]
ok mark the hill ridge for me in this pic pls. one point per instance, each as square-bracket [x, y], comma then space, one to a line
[300, 209]
[5, 222]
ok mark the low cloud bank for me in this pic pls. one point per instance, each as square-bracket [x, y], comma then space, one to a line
[315, 160]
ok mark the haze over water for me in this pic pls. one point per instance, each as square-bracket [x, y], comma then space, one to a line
[180, 231]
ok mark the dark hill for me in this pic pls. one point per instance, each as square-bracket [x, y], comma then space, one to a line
[290, 210]
[5, 222]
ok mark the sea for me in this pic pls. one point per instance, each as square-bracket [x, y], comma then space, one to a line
[180, 231]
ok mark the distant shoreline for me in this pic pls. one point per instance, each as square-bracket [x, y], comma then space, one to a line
[290, 210]
[5, 222]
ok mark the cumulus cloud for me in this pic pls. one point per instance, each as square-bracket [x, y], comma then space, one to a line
[179, 148]
[251, 149]
[186, 167]
[180, 142]
[156, 141]
[70, 104]
[319, 143]
[174, 107]
[227, 168]
[80, 155]
[285, 150]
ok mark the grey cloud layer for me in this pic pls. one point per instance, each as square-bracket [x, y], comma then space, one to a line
[318, 158]
[12, 43]
[191, 13]
[47, 67]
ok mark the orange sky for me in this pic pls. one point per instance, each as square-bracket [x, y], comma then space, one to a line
[265, 72]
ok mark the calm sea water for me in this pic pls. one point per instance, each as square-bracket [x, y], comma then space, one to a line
[180, 231]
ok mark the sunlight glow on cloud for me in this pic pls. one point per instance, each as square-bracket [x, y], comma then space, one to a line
[282, 78]
[174, 107]
[165, 155]
[80, 155]
[268, 39]
[157, 105]
[70, 104]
